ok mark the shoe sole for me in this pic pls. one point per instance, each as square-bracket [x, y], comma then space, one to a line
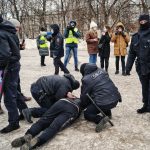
[101, 124]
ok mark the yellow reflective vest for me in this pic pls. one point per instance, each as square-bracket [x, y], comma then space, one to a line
[45, 44]
[71, 38]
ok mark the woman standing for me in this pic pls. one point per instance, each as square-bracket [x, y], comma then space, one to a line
[104, 48]
[92, 42]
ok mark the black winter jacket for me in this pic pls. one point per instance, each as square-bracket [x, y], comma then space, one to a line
[57, 46]
[99, 86]
[140, 50]
[9, 41]
[105, 42]
[55, 86]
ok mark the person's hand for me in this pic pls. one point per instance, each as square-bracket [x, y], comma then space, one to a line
[70, 95]
[123, 34]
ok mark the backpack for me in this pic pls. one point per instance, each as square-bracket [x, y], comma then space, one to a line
[5, 52]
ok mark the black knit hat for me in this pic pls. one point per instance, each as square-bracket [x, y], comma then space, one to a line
[144, 17]
[82, 68]
[1, 19]
[76, 85]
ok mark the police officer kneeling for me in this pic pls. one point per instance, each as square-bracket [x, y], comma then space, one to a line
[60, 115]
[47, 90]
[102, 90]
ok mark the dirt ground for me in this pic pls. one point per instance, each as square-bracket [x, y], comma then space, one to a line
[131, 131]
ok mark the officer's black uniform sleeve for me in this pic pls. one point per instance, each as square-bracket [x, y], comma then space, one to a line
[83, 97]
[131, 56]
[14, 45]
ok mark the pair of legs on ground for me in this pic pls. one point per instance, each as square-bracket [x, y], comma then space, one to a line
[104, 61]
[75, 55]
[145, 82]
[13, 99]
[122, 63]
[93, 114]
[59, 116]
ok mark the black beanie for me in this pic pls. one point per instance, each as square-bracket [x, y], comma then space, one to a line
[144, 17]
[82, 68]
[1, 19]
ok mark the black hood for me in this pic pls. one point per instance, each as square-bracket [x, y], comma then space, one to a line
[55, 28]
[89, 68]
[8, 26]
[74, 83]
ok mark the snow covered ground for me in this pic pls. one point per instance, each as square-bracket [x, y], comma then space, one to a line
[131, 131]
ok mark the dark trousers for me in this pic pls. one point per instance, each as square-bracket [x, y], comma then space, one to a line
[44, 103]
[42, 60]
[104, 62]
[12, 98]
[92, 113]
[145, 82]
[58, 63]
[122, 63]
[60, 115]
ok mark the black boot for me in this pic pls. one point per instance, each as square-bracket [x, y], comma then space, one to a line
[27, 115]
[33, 144]
[22, 140]
[10, 128]
[124, 73]
[142, 110]
[108, 113]
[101, 125]
[117, 72]
[1, 110]
[76, 69]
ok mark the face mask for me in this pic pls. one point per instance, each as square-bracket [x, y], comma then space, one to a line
[144, 26]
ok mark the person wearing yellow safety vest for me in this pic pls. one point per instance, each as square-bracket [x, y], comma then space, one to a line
[71, 35]
[42, 45]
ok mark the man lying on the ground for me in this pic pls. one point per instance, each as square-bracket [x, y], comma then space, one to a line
[62, 114]
[47, 90]
[102, 90]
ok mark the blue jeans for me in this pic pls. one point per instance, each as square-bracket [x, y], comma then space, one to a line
[93, 58]
[75, 55]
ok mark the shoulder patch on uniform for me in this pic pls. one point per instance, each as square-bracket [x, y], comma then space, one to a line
[96, 74]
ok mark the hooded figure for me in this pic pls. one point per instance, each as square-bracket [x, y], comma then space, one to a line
[57, 49]
[100, 87]
[10, 56]
[120, 39]
[92, 42]
[140, 51]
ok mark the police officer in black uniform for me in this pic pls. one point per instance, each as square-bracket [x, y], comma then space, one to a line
[47, 90]
[105, 94]
[57, 49]
[140, 50]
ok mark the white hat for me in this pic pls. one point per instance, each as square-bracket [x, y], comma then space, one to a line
[93, 24]
[15, 22]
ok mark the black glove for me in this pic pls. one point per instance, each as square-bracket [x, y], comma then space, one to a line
[123, 34]
[128, 73]
[116, 33]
